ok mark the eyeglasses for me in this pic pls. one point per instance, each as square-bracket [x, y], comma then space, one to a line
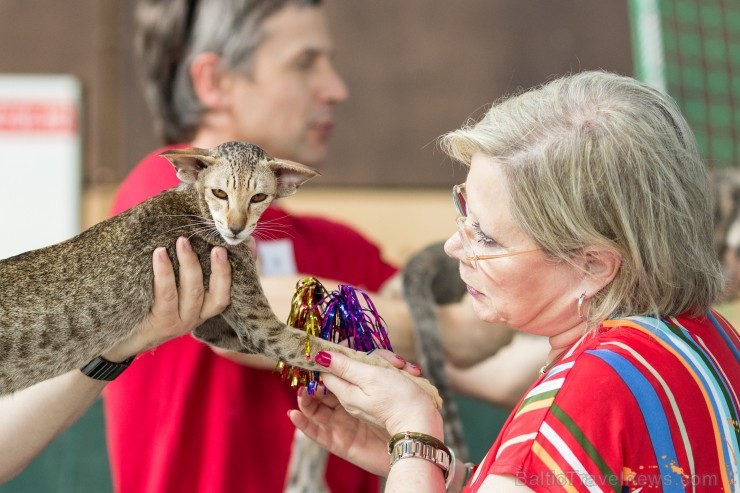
[459, 198]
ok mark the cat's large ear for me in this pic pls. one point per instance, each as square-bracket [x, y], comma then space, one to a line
[290, 175]
[189, 162]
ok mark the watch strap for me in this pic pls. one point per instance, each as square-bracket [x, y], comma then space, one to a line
[100, 368]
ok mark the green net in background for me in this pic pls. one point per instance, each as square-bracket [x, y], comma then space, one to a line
[691, 49]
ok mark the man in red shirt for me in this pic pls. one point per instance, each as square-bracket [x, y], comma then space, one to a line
[184, 417]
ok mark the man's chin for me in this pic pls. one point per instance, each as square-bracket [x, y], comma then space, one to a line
[314, 156]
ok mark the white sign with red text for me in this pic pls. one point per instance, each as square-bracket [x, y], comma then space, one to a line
[40, 161]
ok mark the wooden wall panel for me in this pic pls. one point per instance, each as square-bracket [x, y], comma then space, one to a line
[419, 68]
[81, 38]
[416, 69]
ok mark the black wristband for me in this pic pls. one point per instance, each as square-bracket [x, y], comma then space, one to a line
[102, 369]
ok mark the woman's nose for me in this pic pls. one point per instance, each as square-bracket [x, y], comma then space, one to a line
[454, 247]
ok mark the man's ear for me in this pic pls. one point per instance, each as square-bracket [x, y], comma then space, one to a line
[290, 175]
[207, 80]
[600, 266]
[189, 162]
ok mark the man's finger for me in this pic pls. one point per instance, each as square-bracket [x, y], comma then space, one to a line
[165, 287]
[218, 296]
[191, 281]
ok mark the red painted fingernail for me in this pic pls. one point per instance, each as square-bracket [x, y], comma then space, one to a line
[401, 359]
[416, 367]
[323, 359]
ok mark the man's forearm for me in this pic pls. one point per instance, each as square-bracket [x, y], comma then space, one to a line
[33, 417]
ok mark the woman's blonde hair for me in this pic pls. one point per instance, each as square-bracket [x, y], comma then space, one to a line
[599, 159]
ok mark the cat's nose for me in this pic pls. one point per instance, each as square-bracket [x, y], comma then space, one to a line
[236, 230]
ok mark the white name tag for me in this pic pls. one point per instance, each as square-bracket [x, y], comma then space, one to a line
[276, 258]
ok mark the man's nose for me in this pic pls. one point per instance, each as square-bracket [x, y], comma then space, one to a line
[333, 88]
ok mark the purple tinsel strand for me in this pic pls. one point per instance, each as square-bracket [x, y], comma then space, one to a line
[345, 317]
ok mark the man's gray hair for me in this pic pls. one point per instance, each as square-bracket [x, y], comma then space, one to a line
[171, 34]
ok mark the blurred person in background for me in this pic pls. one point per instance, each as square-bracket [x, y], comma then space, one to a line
[585, 218]
[187, 417]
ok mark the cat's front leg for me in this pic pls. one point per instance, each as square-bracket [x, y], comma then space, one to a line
[217, 332]
[266, 335]
[295, 339]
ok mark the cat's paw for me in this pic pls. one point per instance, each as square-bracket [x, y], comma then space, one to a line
[422, 382]
[430, 389]
[372, 359]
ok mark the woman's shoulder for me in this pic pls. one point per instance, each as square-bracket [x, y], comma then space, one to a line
[683, 341]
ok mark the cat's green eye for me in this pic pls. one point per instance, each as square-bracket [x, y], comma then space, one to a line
[258, 197]
[219, 194]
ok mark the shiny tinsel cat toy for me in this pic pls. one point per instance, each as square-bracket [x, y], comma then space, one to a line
[345, 314]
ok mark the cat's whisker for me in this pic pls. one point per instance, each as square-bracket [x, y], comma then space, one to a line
[206, 233]
[265, 234]
[278, 218]
[185, 227]
[272, 229]
[195, 216]
[200, 229]
[274, 234]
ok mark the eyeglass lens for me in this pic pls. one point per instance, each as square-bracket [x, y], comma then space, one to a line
[458, 197]
[461, 207]
[472, 257]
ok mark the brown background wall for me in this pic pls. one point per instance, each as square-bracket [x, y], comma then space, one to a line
[419, 68]
[416, 69]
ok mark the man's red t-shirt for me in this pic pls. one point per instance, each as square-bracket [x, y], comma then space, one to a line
[183, 419]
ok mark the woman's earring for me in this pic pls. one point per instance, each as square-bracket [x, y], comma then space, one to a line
[581, 300]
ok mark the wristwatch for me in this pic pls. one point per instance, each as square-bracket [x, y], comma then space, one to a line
[409, 444]
[102, 369]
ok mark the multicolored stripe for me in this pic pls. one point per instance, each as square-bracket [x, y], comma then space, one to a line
[700, 364]
[652, 412]
[675, 409]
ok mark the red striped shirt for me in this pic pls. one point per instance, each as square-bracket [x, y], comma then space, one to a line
[638, 403]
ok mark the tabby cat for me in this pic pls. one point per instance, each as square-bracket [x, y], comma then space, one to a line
[431, 278]
[65, 304]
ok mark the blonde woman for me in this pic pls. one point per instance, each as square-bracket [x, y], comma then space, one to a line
[585, 218]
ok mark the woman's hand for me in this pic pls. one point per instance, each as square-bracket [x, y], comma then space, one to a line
[323, 419]
[367, 405]
[178, 311]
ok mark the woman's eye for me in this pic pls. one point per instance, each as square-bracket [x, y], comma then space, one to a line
[258, 197]
[219, 194]
[482, 238]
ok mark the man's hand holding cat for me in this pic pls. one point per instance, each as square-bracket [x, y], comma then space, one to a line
[178, 311]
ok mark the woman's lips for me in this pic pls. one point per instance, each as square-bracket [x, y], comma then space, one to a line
[473, 292]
